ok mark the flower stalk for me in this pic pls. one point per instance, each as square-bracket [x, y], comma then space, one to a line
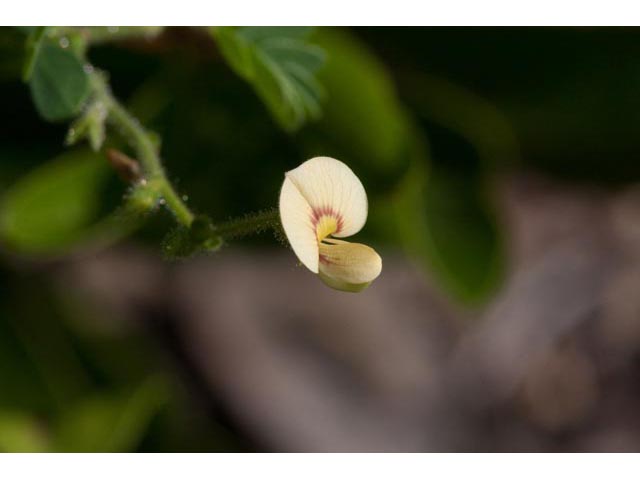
[249, 224]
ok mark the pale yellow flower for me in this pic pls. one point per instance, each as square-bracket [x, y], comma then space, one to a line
[320, 200]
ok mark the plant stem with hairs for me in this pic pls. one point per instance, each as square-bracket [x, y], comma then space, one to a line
[146, 151]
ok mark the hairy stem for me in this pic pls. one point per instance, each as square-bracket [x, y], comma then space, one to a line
[146, 151]
[142, 143]
[248, 224]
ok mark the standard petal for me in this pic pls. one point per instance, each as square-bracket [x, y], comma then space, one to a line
[331, 188]
[297, 221]
[348, 266]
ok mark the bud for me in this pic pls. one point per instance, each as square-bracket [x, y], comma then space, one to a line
[127, 168]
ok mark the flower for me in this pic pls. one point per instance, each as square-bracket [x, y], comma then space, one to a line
[320, 200]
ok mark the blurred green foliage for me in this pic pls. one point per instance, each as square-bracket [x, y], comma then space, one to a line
[55, 205]
[363, 119]
[427, 118]
[59, 86]
[281, 67]
[109, 423]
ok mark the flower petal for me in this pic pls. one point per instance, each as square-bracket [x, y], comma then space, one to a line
[348, 266]
[296, 217]
[331, 187]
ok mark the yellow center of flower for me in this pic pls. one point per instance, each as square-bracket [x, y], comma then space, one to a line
[325, 226]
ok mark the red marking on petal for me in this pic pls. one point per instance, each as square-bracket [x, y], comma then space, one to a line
[318, 213]
[324, 259]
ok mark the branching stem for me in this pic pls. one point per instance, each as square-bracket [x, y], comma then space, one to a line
[141, 142]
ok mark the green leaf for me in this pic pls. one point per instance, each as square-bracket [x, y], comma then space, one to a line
[447, 222]
[34, 42]
[266, 33]
[363, 122]
[280, 65]
[464, 237]
[110, 423]
[59, 85]
[55, 205]
[447, 217]
[21, 433]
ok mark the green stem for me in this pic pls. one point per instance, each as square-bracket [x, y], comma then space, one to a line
[99, 35]
[146, 151]
[248, 224]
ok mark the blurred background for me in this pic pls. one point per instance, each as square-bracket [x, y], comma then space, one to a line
[502, 172]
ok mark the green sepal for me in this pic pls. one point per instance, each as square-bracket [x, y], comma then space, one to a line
[342, 285]
[185, 242]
